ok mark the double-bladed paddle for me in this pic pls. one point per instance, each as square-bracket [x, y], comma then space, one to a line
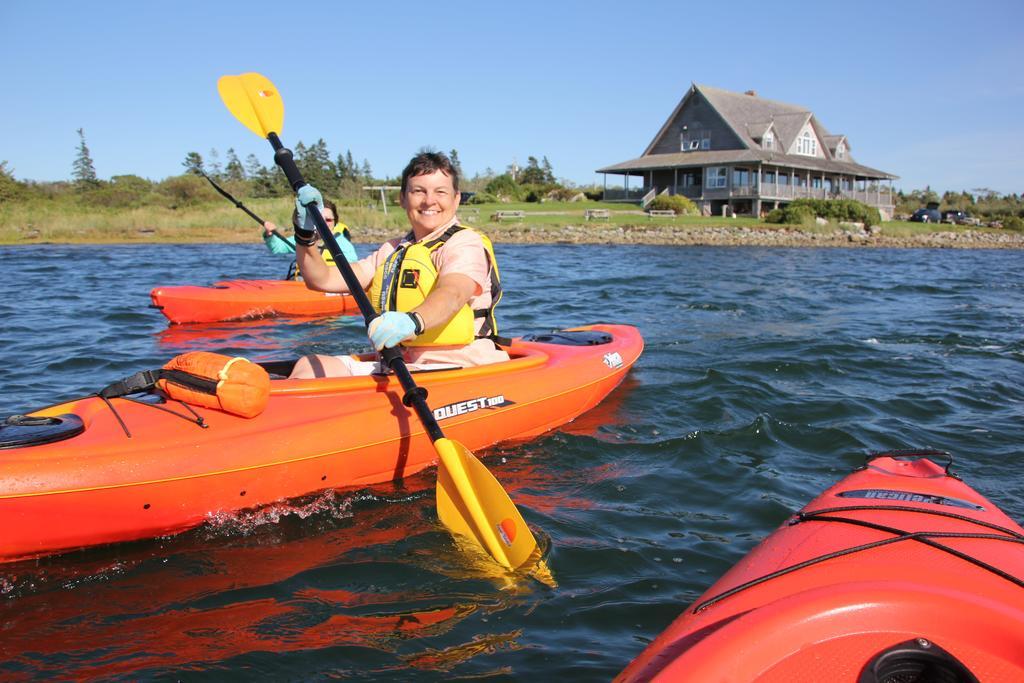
[470, 501]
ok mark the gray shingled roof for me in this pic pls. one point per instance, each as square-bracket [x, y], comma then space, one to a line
[750, 116]
[739, 109]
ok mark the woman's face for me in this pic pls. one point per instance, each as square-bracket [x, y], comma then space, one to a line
[430, 201]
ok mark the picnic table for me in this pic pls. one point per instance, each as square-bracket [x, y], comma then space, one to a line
[506, 215]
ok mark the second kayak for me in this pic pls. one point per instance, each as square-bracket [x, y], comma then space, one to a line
[247, 300]
[900, 572]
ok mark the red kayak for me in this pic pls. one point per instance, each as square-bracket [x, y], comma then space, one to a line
[900, 572]
[247, 300]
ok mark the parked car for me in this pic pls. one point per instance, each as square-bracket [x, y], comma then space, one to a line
[959, 218]
[927, 215]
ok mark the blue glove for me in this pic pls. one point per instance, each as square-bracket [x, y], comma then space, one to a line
[305, 228]
[391, 329]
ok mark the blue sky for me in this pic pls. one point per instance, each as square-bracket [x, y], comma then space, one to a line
[930, 91]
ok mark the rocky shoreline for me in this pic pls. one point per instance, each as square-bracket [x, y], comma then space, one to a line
[736, 236]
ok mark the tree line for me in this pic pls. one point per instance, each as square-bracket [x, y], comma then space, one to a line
[342, 178]
[339, 176]
[980, 202]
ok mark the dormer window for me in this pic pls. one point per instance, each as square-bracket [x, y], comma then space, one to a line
[807, 145]
[841, 150]
[768, 141]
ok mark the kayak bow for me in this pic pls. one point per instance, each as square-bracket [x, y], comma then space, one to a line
[900, 572]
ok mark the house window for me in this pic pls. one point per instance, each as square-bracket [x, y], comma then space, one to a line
[694, 140]
[768, 141]
[769, 177]
[807, 145]
[740, 177]
[816, 183]
[841, 151]
[783, 179]
[718, 176]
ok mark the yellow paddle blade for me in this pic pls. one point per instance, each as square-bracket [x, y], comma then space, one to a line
[254, 101]
[472, 503]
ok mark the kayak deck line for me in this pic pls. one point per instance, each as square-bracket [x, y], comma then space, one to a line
[925, 537]
[471, 417]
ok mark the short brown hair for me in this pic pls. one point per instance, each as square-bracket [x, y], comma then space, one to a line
[425, 163]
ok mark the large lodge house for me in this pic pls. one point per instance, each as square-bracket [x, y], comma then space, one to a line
[733, 153]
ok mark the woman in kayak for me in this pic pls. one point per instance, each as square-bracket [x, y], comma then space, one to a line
[278, 244]
[435, 288]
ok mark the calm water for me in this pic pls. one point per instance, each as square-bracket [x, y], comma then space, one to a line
[768, 373]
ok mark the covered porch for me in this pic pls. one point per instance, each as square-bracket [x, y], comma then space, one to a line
[750, 188]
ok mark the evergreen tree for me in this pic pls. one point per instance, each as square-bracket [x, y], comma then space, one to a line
[83, 171]
[216, 171]
[549, 174]
[253, 167]
[456, 164]
[317, 167]
[367, 171]
[353, 170]
[193, 162]
[532, 174]
[234, 170]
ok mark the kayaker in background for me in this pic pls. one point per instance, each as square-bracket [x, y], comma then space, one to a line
[437, 286]
[277, 244]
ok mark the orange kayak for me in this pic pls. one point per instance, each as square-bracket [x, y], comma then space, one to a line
[246, 300]
[900, 572]
[89, 472]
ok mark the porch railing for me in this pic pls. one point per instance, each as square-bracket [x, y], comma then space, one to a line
[618, 194]
[771, 191]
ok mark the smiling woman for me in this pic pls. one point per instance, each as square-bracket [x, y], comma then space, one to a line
[435, 288]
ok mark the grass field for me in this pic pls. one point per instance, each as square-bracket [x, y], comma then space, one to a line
[62, 222]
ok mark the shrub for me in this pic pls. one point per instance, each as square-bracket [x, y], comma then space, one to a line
[563, 194]
[673, 202]
[483, 198]
[1014, 223]
[122, 191]
[184, 190]
[802, 210]
[504, 188]
[10, 189]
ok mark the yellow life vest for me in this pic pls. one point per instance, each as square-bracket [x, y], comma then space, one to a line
[293, 269]
[408, 275]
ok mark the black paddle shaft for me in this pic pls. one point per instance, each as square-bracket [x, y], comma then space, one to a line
[415, 396]
[243, 207]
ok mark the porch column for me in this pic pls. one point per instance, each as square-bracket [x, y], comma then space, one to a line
[675, 180]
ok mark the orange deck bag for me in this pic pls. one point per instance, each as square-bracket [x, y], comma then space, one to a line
[234, 385]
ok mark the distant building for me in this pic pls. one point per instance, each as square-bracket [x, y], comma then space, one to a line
[742, 154]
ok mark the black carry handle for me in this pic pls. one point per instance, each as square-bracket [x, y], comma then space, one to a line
[415, 396]
[244, 208]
